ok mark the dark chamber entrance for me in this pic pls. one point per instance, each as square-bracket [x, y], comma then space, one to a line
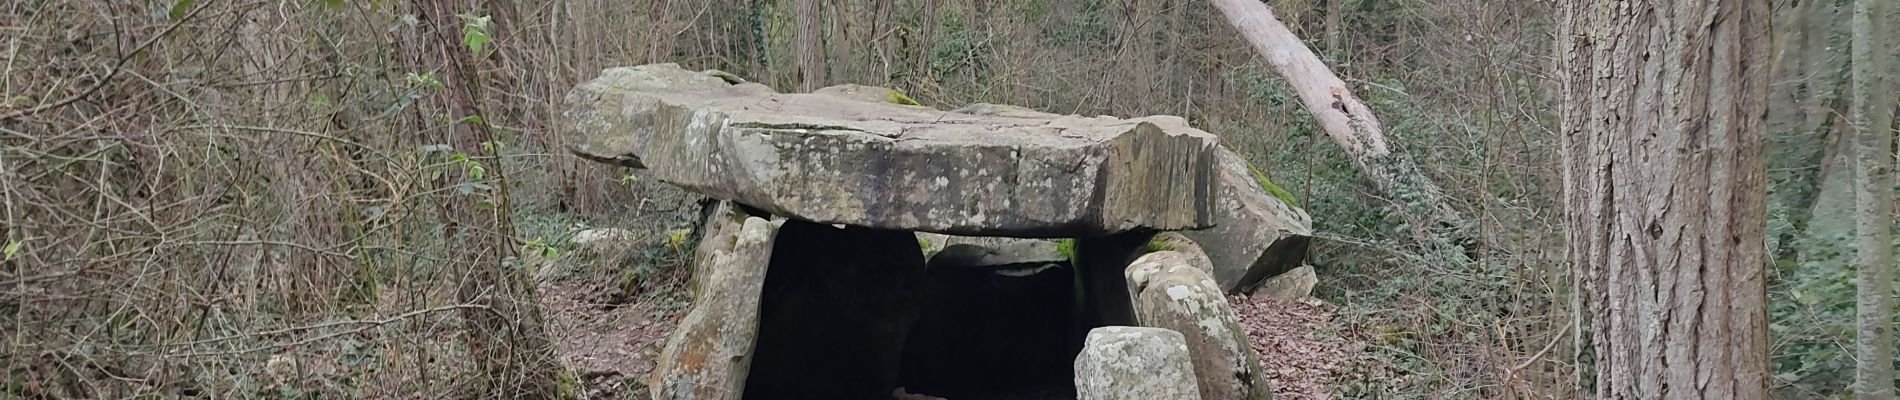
[994, 331]
[853, 313]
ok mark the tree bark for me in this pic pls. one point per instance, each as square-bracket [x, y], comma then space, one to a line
[506, 337]
[926, 40]
[811, 59]
[1872, 113]
[1662, 130]
[1351, 124]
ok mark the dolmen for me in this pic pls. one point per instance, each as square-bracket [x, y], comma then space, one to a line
[865, 247]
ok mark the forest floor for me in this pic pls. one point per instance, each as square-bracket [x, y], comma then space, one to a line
[612, 347]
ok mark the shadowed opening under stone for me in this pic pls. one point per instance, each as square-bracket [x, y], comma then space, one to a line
[857, 313]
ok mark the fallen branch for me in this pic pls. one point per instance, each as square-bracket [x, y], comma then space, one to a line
[1350, 123]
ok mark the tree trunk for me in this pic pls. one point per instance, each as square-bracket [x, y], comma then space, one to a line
[506, 337]
[811, 59]
[1350, 124]
[1662, 132]
[925, 41]
[1872, 114]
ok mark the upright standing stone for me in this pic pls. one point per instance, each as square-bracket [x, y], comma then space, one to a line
[1256, 235]
[1132, 363]
[1184, 299]
[709, 355]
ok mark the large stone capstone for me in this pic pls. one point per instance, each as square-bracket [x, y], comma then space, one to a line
[842, 157]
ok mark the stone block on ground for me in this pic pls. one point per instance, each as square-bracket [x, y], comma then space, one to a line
[1290, 286]
[1133, 363]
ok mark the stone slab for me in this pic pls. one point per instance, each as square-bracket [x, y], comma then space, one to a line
[841, 157]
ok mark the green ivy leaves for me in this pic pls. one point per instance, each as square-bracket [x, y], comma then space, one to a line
[12, 249]
[474, 32]
[178, 10]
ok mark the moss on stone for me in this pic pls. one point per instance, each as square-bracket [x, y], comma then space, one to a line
[1272, 189]
[896, 97]
[925, 245]
[1155, 245]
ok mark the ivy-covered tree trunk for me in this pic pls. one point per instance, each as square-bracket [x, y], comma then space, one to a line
[1872, 115]
[505, 333]
[1662, 130]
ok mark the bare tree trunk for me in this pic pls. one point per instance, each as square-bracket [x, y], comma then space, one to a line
[1662, 132]
[1351, 124]
[811, 60]
[926, 40]
[506, 336]
[1872, 113]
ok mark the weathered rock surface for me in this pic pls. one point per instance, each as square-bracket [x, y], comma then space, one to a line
[1144, 270]
[1178, 242]
[843, 159]
[1121, 362]
[1292, 285]
[709, 355]
[989, 251]
[1177, 296]
[1255, 235]
[837, 307]
[992, 324]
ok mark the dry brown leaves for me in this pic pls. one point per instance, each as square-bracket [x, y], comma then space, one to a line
[1297, 349]
[612, 348]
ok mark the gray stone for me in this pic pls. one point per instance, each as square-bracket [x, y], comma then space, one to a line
[1120, 362]
[1290, 286]
[1179, 297]
[836, 159]
[604, 240]
[709, 356]
[1178, 242]
[1255, 235]
[990, 251]
[1144, 270]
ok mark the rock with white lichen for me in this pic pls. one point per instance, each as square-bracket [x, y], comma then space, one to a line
[847, 156]
[1133, 363]
[1173, 294]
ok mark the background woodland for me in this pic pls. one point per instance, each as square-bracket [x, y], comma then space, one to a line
[252, 197]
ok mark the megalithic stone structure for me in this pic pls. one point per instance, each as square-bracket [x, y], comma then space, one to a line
[811, 276]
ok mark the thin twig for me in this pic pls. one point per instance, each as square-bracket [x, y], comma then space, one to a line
[116, 67]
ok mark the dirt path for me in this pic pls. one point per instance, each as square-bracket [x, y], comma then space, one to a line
[611, 347]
